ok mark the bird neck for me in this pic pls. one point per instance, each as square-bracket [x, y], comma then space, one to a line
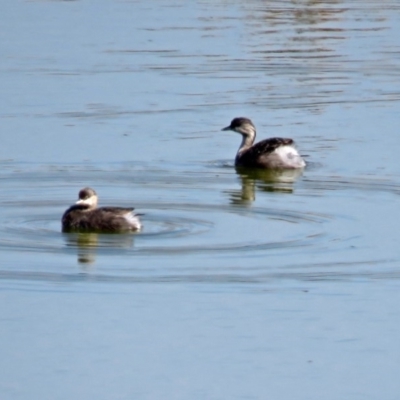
[80, 207]
[247, 141]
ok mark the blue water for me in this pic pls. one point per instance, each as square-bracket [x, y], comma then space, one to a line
[241, 285]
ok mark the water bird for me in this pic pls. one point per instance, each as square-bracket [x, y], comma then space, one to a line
[273, 153]
[85, 216]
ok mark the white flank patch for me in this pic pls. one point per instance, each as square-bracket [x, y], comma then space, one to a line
[133, 220]
[290, 156]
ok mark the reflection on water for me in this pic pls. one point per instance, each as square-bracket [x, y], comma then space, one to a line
[86, 244]
[312, 54]
[264, 180]
[197, 220]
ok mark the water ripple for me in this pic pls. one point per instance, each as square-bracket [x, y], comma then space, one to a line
[168, 228]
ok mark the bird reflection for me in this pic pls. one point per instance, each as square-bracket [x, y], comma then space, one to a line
[88, 244]
[264, 180]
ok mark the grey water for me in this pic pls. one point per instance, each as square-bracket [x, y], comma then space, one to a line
[242, 284]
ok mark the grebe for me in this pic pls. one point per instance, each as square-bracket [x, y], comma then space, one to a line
[84, 216]
[273, 153]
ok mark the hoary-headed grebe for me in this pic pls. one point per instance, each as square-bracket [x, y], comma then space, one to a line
[84, 216]
[278, 153]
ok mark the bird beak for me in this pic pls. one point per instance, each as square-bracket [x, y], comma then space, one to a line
[227, 128]
[80, 201]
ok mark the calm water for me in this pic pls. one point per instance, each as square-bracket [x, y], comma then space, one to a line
[245, 285]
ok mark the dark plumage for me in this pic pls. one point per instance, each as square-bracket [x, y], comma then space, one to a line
[278, 153]
[84, 216]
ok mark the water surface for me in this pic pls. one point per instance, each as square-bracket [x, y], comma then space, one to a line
[242, 284]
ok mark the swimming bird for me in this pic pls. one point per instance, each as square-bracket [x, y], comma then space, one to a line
[273, 153]
[84, 216]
